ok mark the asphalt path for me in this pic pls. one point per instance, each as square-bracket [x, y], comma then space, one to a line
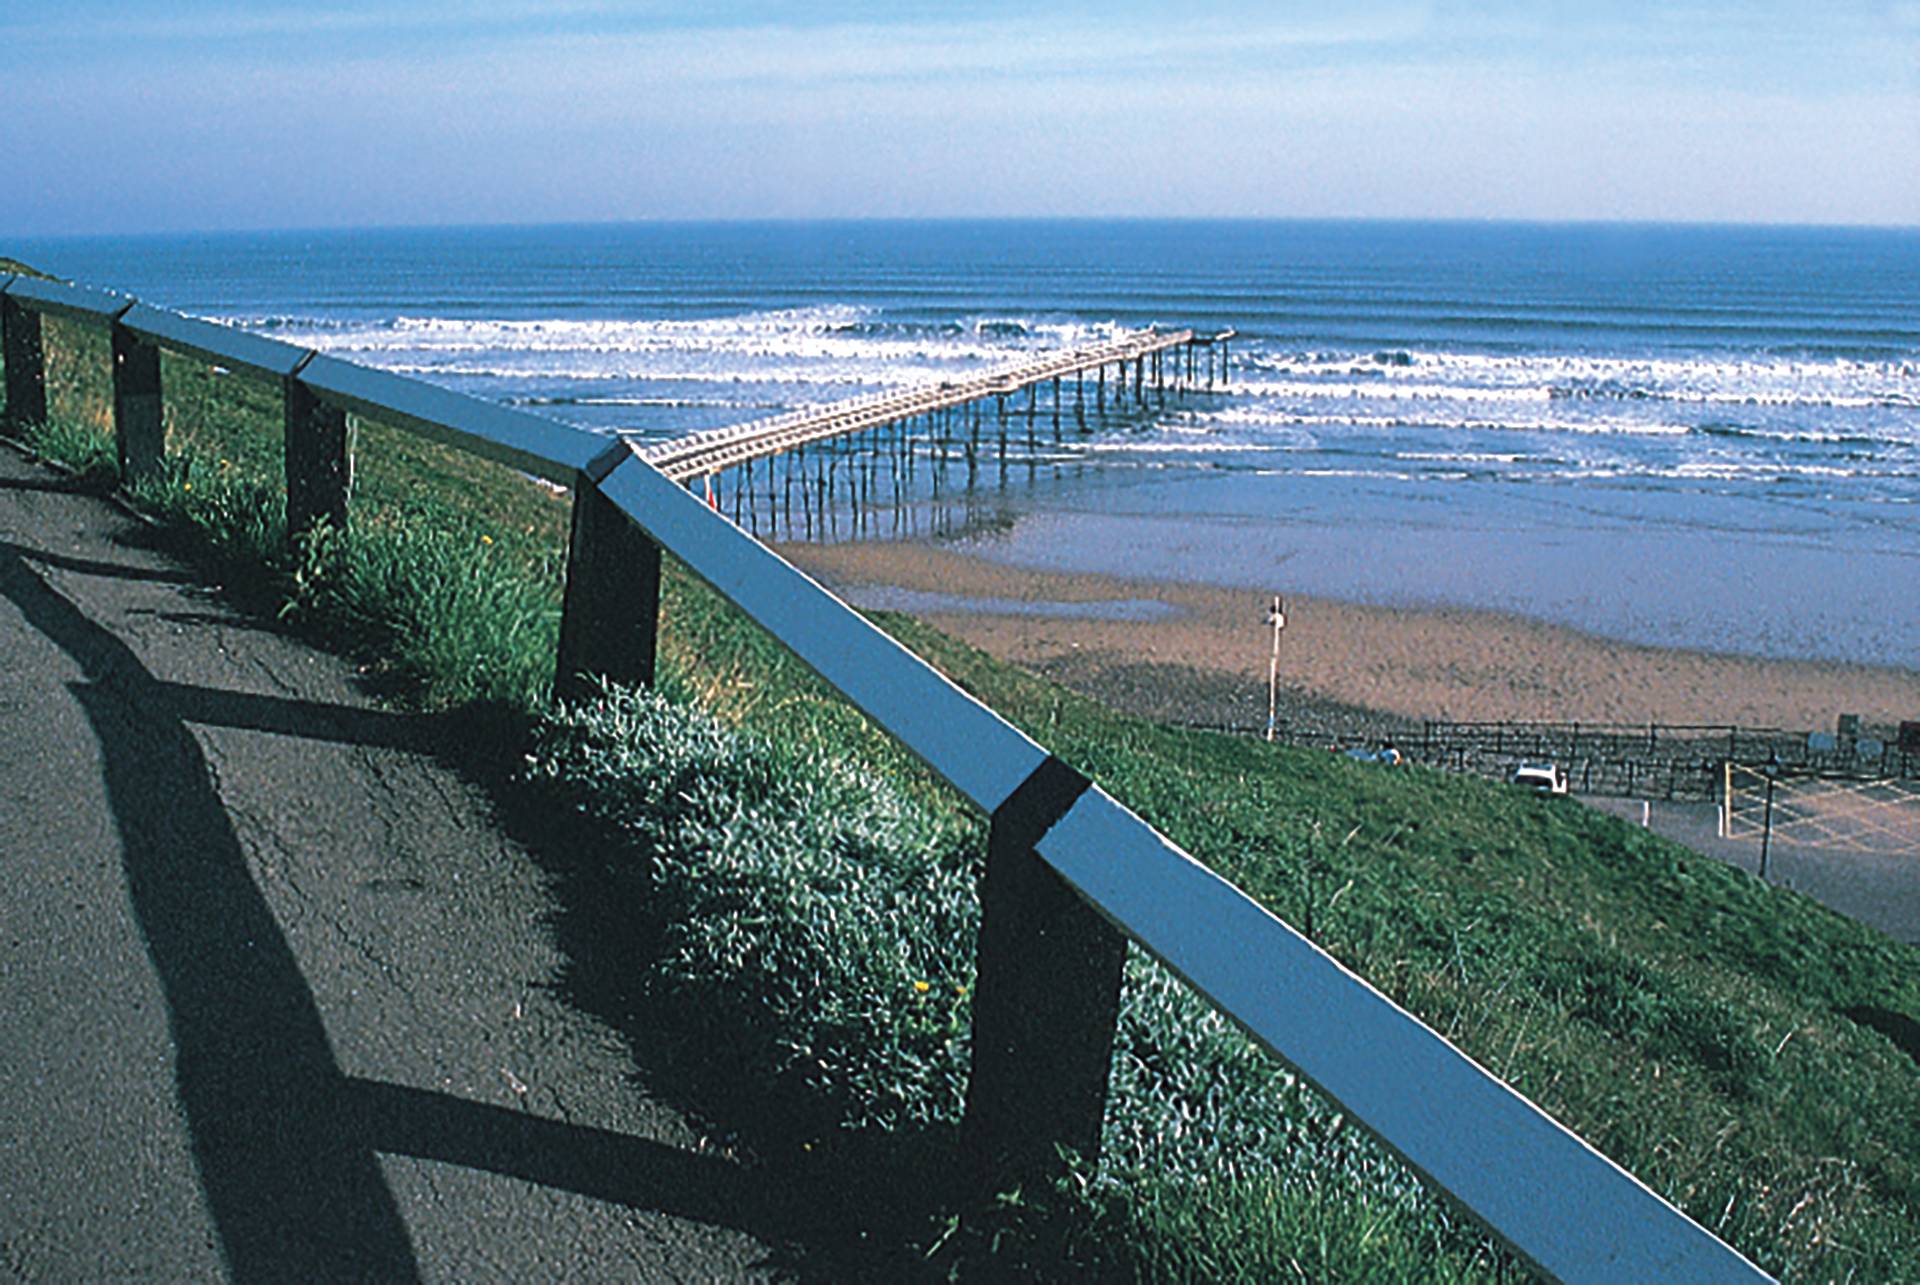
[280, 998]
[1880, 889]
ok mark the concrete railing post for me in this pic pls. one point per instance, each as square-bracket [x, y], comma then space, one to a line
[319, 463]
[26, 359]
[1046, 1001]
[139, 426]
[610, 617]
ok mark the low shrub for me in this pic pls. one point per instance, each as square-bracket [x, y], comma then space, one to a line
[820, 925]
[806, 917]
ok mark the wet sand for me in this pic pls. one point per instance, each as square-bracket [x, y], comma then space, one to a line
[1199, 653]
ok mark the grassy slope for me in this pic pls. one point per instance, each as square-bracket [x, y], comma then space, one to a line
[1682, 1016]
[1679, 1014]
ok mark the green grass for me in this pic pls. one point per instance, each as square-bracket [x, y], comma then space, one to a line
[796, 876]
[817, 920]
[448, 588]
[1681, 1015]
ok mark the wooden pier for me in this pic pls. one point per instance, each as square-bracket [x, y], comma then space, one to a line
[1141, 371]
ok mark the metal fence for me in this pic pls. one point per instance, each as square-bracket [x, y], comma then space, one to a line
[1657, 749]
[1072, 875]
[1673, 761]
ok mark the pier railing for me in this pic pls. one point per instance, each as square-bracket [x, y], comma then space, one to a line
[706, 453]
[1072, 875]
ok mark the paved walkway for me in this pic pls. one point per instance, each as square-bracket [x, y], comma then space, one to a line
[1880, 889]
[279, 1000]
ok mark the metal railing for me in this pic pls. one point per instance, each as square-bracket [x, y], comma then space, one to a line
[1072, 875]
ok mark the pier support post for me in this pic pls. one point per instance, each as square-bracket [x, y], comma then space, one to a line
[26, 358]
[973, 441]
[139, 424]
[610, 615]
[319, 461]
[1046, 1000]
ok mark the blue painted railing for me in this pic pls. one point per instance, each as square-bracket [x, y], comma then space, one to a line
[1074, 868]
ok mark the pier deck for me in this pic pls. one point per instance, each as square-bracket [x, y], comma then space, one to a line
[704, 454]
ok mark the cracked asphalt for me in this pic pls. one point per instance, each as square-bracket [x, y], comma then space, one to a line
[281, 998]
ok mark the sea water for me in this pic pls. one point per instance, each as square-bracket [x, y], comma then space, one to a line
[1704, 436]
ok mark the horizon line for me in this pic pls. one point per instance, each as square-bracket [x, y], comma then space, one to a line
[1490, 221]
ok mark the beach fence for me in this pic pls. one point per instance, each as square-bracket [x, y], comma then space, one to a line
[1623, 760]
[1072, 875]
[1672, 761]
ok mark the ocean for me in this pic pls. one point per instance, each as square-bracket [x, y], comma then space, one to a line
[1678, 435]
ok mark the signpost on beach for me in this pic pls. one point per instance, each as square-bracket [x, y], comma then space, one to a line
[1277, 617]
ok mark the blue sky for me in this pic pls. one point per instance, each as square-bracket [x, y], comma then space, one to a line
[136, 115]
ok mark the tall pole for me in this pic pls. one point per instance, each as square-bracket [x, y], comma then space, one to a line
[1277, 617]
[1766, 825]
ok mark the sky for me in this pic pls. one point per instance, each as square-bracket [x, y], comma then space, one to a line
[126, 116]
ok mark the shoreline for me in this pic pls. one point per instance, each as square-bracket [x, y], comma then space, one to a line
[1199, 653]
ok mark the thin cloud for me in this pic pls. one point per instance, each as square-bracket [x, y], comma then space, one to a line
[217, 26]
[1390, 110]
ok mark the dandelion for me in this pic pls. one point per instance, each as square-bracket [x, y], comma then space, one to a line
[923, 987]
[486, 539]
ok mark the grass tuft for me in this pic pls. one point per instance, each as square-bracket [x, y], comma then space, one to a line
[84, 447]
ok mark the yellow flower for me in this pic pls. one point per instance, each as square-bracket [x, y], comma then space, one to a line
[922, 987]
[486, 539]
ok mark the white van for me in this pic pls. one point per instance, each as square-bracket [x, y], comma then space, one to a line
[1542, 778]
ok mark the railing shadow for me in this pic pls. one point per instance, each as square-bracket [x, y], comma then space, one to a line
[284, 1142]
[49, 486]
[94, 566]
[635, 1172]
[848, 1205]
[292, 1194]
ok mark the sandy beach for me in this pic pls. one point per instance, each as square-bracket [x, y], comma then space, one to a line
[1200, 653]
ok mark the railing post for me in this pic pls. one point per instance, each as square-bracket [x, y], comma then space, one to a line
[26, 363]
[319, 464]
[139, 426]
[1046, 1000]
[610, 617]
